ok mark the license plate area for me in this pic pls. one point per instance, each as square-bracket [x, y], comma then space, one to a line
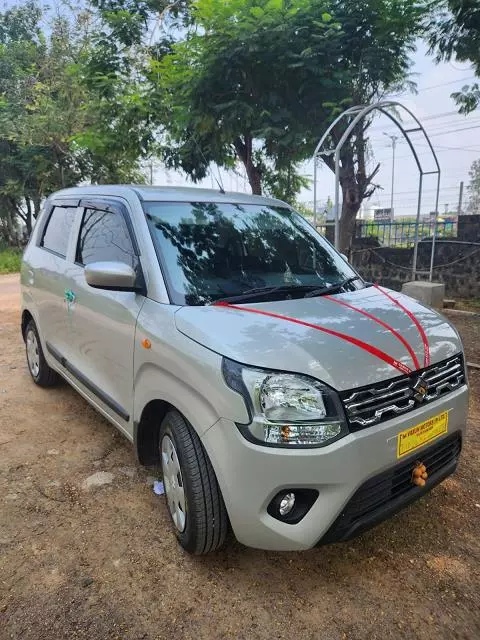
[415, 437]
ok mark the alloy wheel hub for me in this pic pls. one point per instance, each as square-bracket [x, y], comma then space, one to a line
[173, 483]
[33, 355]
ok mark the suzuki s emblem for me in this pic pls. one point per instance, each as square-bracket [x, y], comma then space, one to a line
[420, 389]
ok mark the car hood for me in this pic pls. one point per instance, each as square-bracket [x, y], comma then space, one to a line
[275, 343]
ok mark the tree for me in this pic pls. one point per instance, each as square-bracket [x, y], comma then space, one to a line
[250, 81]
[57, 124]
[219, 90]
[473, 189]
[453, 31]
[259, 80]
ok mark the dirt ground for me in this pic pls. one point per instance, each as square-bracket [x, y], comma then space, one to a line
[101, 563]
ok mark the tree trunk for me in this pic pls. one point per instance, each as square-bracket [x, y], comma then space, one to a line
[356, 184]
[254, 178]
[244, 151]
[28, 221]
[37, 206]
[351, 206]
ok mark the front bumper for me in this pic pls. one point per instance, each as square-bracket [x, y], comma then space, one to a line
[250, 475]
[387, 493]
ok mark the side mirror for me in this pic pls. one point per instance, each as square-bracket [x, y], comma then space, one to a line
[344, 257]
[116, 276]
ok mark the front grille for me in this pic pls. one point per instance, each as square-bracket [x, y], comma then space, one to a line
[385, 494]
[377, 403]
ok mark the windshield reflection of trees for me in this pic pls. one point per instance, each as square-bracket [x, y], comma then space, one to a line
[228, 252]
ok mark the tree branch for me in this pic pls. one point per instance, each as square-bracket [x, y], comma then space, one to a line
[373, 174]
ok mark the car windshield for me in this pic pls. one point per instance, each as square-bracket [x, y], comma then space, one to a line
[211, 251]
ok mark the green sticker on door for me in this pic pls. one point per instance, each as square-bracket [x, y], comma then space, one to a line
[70, 298]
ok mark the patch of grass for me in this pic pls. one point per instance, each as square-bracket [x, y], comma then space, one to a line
[10, 260]
[468, 304]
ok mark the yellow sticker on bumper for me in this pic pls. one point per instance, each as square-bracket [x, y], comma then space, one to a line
[417, 436]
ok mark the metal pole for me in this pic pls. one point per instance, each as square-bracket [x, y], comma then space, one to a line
[151, 171]
[419, 208]
[394, 139]
[337, 200]
[315, 191]
[460, 199]
[359, 113]
[432, 257]
[394, 146]
[434, 239]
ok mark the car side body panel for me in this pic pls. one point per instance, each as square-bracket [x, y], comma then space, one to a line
[179, 371]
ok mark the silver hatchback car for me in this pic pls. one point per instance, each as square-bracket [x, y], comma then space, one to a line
[282, 395]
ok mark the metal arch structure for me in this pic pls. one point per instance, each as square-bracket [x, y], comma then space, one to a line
[355, 115]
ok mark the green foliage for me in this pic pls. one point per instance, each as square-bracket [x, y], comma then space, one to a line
[453, 31]
[260, 80]
[306, 212]
[283, 183]
[473, 189]
[10, 260]
[61, 120]
[209, 81]
[468, 99]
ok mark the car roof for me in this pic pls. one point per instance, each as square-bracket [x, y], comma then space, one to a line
[167, 194]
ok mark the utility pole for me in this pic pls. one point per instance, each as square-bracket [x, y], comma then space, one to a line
[151, 171]
[460, 199]
[393, 139]
[446, 208]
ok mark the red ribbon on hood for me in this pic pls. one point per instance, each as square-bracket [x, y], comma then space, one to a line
[374, 351]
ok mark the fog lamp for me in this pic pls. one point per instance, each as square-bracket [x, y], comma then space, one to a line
[286, 504]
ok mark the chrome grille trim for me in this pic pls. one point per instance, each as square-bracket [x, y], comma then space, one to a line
[372, 405]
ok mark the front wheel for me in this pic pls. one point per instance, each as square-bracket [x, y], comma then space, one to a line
[194, 499]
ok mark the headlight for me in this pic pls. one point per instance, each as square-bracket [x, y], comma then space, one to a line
[286, 409]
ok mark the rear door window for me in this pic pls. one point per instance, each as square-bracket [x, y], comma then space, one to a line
[104, 237]
[57, 232]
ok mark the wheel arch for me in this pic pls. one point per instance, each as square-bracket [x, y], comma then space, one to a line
[146, 430]
[26, 317]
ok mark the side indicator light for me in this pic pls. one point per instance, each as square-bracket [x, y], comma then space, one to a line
[146, 344]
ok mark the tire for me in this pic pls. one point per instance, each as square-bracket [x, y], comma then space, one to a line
[41, 373]
[200, 521]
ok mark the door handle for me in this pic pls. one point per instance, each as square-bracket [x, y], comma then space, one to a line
[31, 277]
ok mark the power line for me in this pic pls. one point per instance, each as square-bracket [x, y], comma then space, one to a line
[440, 126]
[435, 86]
[442, 147]
[444, 133]
[434, 116]
[446, 84]
[445, 149]
[426, 190]
[445, 125]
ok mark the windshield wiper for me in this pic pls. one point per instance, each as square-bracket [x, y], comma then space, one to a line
[332, 288]
[261, 292]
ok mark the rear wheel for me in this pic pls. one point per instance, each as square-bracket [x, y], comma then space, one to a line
[194, 499]
[41, 373]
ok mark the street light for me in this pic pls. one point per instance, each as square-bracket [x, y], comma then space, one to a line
[394, 139]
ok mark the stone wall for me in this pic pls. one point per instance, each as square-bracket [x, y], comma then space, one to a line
[457, 264]
[469, 228]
